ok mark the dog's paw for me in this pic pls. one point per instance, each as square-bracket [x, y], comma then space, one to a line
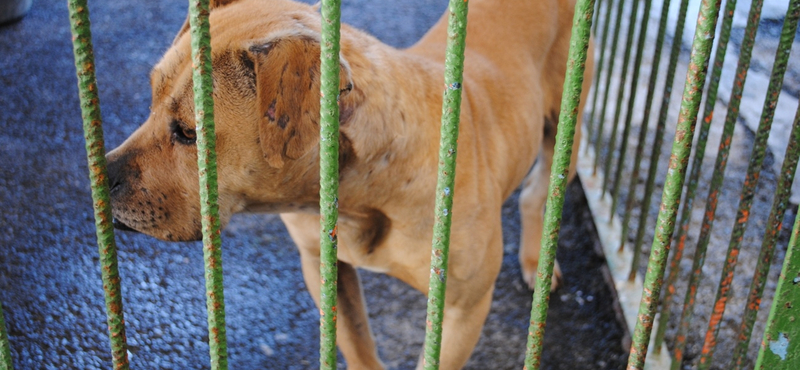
[529, 275]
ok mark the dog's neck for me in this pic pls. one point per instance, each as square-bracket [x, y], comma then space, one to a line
[383, 134]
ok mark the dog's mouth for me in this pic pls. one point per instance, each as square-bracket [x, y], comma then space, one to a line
[119, 225]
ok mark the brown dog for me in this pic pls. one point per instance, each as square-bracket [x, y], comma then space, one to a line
[266, 73]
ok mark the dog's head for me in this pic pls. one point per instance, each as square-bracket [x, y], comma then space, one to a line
[266, 107]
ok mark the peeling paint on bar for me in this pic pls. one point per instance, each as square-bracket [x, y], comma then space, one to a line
[448, 150]
[681, 150]
[573, 83]
[95, 152]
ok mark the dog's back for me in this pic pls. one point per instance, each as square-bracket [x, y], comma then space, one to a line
[516, 52]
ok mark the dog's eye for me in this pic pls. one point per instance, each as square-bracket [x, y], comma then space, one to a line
[182, 134]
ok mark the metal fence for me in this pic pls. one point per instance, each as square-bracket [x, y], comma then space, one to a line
[779, 348]
[776, 347]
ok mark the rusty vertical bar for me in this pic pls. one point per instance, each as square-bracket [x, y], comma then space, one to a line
[782, 333]
[5, 349]
[621, 96]
[651, 88]
[723, 292]
[782, 321]
[329, 179]
[597, 73]
[95, 152]
[681, 150]
[629, 112]
[207, 168]
[598, 143]
[768, 248]
[445, 186]
[570, 101]
[659, 139]
[716, 180]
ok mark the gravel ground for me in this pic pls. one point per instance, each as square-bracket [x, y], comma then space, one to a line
[734, 177]
[49, 276]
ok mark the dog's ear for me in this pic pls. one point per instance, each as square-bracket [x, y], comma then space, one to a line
[212, 4]
[287, 73]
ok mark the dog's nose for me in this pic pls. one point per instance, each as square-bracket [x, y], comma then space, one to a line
[116, 167]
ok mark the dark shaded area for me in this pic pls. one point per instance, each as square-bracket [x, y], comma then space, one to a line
[49, 277]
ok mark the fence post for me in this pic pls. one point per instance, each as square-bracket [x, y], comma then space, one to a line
[568, 117]
[445, 185]
[329, 179]
[681, 149]
[95, 152]
[207, 165]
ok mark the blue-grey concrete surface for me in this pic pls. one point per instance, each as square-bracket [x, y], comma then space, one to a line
[49, 276]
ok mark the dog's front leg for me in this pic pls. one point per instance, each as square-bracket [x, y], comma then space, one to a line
[353, 333]
[461, 329]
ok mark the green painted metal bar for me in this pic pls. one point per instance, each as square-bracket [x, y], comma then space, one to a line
[621, 96]
[329, 179]
[629, 113]
[95, 153]
[782, 323]
[445, 186]
[5, 348]
[598, 140]
[782, 330]
[757, 156]
[659, 139]
[570, 101]
[651, 88]
[207, 166]
[768, 248]
[681, 150]
[716, 180]
[597, 73]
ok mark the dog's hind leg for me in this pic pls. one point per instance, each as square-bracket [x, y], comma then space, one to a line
[532, 205]
[353, 333]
